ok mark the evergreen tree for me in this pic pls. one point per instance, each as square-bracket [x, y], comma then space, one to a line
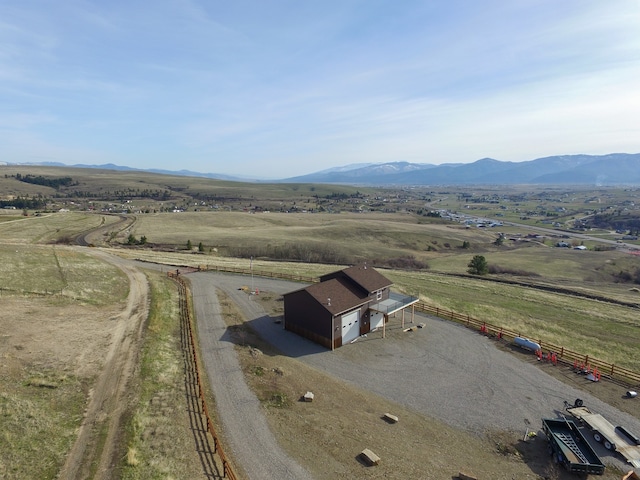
[478, 265]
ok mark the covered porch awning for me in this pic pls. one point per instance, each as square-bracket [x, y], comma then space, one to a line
[395, 303]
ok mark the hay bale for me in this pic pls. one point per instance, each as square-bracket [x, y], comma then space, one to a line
[369, 457]
[465, 476]
[390, 418]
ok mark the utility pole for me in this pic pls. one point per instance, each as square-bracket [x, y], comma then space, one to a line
[251, 268]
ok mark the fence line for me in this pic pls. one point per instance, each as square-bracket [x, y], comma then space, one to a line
[565, 355]
[188, 323]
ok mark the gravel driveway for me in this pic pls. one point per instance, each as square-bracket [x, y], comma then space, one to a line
[443, 371]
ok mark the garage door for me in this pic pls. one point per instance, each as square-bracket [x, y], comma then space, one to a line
[350, 326]
[377, 320]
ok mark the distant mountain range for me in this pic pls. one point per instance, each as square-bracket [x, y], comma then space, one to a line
[611, 169]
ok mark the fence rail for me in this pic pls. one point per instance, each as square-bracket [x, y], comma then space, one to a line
[187, 322]
[564, 354]
[610, 370]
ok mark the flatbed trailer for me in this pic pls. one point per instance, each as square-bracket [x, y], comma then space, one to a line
[616, 439]
[570, 448]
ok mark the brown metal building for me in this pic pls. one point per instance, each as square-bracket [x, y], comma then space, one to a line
[342, 306]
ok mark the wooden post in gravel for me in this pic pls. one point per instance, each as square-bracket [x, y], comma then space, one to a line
[384, 325]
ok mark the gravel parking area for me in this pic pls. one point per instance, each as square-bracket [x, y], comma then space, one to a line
[443, 371]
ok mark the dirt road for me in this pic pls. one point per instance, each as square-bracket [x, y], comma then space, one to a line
[251, 442]
[92, 456]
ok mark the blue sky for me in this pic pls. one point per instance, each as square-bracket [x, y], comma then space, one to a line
[273, 89]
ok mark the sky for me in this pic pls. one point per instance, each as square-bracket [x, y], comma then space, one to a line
[280, 88]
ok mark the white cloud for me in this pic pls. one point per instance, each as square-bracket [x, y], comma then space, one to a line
[270, 87]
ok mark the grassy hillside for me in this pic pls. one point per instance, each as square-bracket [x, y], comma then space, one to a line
[392, 229]
[149, 190]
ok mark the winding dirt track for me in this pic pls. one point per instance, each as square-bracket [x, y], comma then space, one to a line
[92, 455]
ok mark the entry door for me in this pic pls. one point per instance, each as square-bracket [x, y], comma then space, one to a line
[350, 326]
[377, 320]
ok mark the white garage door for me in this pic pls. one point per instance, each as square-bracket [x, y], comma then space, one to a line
[350, 326]
[377, 320]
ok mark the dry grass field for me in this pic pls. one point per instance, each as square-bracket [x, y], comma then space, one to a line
[347, 237]
[605, 330]
[59, 227]
[56, 323]
[59, 303]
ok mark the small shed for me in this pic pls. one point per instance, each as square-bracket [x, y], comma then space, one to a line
[342, 306]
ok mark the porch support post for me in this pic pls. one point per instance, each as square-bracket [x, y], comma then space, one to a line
[384, 325]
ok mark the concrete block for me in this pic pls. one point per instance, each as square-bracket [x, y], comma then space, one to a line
[465, 476]
[370, 457]
[390, 418]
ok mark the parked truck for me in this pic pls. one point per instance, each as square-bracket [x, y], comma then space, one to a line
[614, 438]
[569, 448]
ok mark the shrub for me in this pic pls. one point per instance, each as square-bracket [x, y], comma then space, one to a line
[495, 269]
[478, 265]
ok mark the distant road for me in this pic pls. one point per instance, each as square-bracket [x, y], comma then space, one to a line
[581, 236]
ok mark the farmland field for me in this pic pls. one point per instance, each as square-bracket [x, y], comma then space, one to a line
[605, 330]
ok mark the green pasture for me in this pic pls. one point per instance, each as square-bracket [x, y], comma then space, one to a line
[603, 330]
[51, 227]
[600, 329]
[61, 273]
[161, 380]
[9, 218]
[376, 236]
[39, 418]
[564, 265]
[41, 403]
